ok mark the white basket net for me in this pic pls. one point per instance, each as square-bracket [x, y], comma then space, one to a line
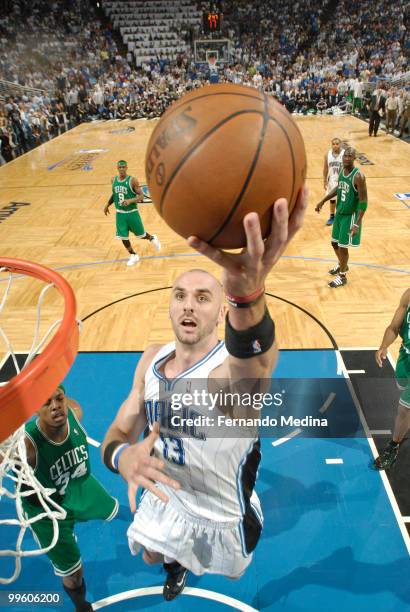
[17, 479]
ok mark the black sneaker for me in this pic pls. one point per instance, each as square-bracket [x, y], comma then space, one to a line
[176, 579]
[387, 457]
[338, 281]
[336, 270]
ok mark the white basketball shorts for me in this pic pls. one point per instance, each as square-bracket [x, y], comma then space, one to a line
[200, 545]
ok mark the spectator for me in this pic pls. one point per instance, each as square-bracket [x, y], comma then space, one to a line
[405, 114]
[376, 110]
[392, 104]
[308, 58]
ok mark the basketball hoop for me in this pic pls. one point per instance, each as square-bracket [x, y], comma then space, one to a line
[212, 59]
[34, 382]
[25, 393]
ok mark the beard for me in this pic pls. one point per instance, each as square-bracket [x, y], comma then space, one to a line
[190, 339]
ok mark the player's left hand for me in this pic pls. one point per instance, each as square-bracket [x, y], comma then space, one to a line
[125, 202]
[380, 356]
[354, 230]
[245, 272]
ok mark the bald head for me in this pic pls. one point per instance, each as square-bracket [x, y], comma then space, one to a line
[351, 151]
[348, 159]
[200, 279]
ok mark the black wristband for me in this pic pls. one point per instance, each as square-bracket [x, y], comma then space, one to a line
[247, 343]
[108, 453]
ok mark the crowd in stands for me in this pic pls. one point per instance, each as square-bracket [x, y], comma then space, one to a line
[313, 57]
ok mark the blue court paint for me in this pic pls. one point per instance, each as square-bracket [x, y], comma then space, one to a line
[306, 364]
[330, 538]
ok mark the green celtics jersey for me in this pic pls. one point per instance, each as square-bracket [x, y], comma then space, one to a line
[347, 195]
[405, 331]
[60, 465]
[122, 190]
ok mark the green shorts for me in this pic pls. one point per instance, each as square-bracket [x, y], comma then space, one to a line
[403, 377]
[342, 226]
[129, 222]
[96, 503]
[357, 103]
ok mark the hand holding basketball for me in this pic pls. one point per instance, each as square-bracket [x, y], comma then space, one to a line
[246, 272]
[219, 153]
[140, 469]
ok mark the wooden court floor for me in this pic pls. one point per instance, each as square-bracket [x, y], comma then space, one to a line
[65, 184]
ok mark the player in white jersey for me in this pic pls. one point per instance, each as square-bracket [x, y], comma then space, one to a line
[331, 169]
[199, 511]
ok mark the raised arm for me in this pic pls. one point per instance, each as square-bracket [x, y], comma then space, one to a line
[249, 330]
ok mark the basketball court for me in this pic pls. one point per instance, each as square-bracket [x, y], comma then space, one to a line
[335, 532]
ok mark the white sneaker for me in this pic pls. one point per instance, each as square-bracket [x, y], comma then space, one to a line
[134, 258]
[156, 242]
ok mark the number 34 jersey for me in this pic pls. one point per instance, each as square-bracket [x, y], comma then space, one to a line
[215, 465]
[61, 465]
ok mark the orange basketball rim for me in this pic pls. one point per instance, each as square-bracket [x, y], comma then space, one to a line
[23, 394]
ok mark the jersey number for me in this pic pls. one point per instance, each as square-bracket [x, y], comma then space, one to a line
[173, 450]
[65, 478]
[121, 198]
[343, 196]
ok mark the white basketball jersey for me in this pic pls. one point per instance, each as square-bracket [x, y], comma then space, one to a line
[217, 474]
[334, 168]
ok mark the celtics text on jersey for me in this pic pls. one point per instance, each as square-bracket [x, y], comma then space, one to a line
[347, 193]
[122, 190]
[59, 464]
[405, 331]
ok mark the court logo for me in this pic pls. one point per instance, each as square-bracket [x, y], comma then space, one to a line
[361, 157]
[80, 160]
[402, 196]
[123, 130]
[9, 210]
[147, 197]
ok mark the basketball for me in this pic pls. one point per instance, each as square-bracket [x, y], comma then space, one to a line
[221, 152]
